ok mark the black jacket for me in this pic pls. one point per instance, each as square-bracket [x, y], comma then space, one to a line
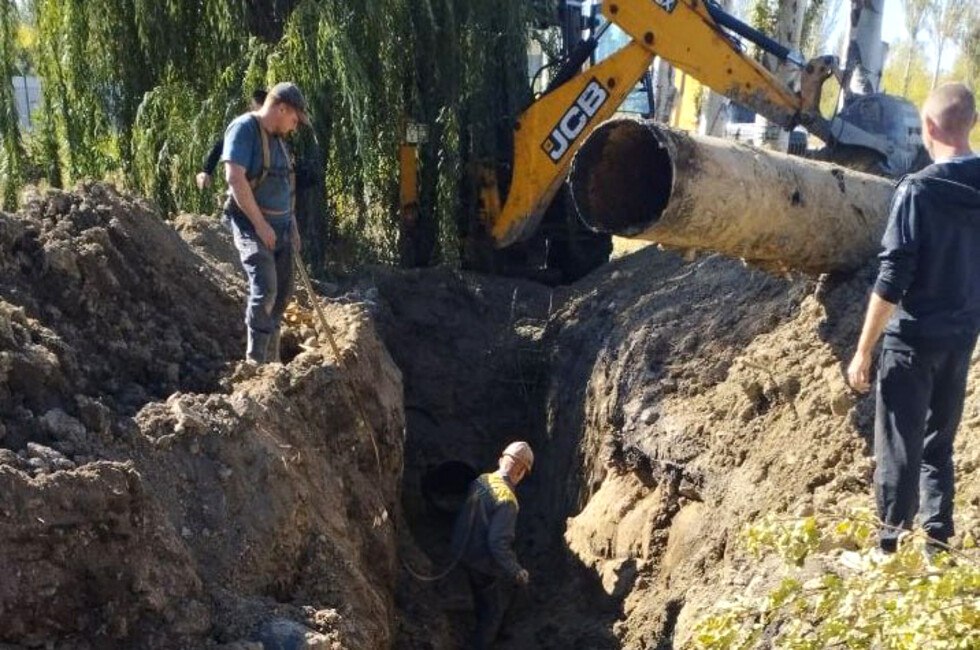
[483, 537]
[214, 155]
[930, 265]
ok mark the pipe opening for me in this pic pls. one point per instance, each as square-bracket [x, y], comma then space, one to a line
[444, 486]
[621, 178]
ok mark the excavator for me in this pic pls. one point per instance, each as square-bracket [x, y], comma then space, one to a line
[877, 133]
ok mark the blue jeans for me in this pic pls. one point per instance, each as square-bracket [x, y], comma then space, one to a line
[270, 283]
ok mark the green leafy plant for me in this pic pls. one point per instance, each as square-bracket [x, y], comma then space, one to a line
[901, 601]
[12, 150]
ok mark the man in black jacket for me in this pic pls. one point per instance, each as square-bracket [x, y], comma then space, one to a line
[483, 540]
[926, 301]
[203, 178]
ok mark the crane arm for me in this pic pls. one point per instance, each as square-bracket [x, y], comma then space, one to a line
[692, 36]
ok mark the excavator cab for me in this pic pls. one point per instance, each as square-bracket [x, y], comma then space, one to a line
[895, 122]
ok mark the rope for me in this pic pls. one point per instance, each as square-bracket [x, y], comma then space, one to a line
[421, 577]
[328, 331]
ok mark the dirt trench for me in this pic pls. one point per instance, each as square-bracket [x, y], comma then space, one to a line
[670, 404]
[487, 361]
[158, 494]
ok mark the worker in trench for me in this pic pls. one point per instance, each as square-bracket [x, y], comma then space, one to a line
[483, 540]
[926, 301]
[260, 210]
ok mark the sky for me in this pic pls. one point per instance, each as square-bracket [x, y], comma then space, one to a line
[892, 23]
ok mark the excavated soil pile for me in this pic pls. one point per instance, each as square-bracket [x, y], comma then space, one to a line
[156, 493]
[706, 396]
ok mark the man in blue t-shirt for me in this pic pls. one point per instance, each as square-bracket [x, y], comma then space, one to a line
[926, 301]
[260, 211]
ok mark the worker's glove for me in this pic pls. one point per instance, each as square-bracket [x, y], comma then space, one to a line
[522, 578]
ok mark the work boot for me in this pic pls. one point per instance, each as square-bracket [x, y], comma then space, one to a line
[258, 345]
[272, 354]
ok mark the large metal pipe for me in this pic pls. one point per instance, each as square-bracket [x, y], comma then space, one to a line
[645, 181]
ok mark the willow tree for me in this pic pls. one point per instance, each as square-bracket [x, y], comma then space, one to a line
[11, 152]
[948, 23]
[139, 88]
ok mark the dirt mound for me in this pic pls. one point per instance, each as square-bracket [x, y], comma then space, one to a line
[156, 493]
[102, 299]
[705, 396]
[669, 405]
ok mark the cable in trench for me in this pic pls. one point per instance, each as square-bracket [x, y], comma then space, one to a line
[421, 577]
[348, 384]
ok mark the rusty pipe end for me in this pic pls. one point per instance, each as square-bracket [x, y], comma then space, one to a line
[621, 178]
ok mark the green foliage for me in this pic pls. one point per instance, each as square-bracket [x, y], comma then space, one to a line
[970, 52]
[143, 87]
[967, 66]
[11, 152]
[77, 92]
[897, 602]
[819, 21]
[815, 9]
[966, 69]
[762, 16]
[906, 58]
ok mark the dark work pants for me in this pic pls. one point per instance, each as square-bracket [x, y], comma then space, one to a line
[270, 283]
[491, 597]
[920, 401]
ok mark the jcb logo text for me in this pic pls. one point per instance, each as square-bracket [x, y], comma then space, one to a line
[574, 121]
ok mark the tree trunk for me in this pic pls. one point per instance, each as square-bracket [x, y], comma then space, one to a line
[665, 91]
[939, 61]
[865, 54]
[789, 29]
[908, 71]
[643, 180]
[713, 119]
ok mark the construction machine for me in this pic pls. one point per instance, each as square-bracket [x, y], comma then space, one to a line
[522, 200]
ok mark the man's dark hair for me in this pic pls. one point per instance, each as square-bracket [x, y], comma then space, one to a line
[258, 96]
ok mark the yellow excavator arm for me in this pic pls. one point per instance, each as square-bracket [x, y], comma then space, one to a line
[688, 35]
